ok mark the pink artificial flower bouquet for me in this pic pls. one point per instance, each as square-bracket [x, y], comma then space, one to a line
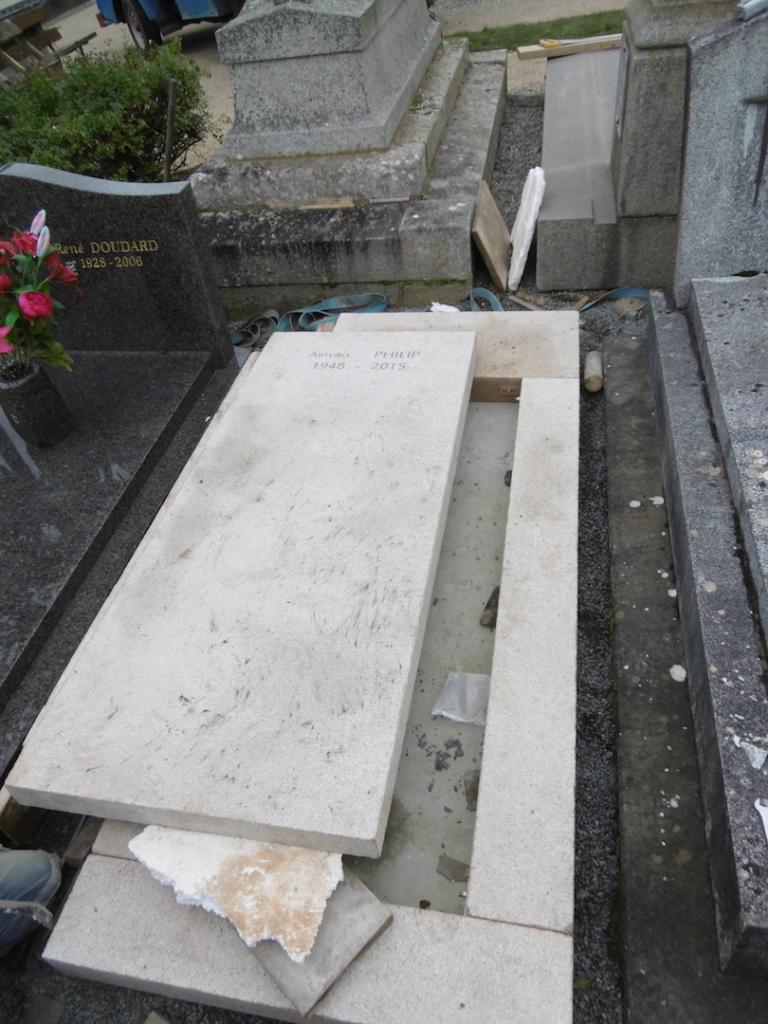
[28, 267]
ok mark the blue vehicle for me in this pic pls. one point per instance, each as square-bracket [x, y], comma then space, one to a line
[149, 20]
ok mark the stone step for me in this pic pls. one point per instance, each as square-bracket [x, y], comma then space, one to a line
[724, 654]
[397, 172]
[414, 250]
[728, 317]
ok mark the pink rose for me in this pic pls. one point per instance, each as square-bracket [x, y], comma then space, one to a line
[5, 345]
[5, 284]
[35, 304]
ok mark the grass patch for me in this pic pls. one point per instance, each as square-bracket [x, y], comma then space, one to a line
[510, 36]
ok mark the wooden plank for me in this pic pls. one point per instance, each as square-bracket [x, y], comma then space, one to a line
[566, 47]
[251, 672]
[491, 235]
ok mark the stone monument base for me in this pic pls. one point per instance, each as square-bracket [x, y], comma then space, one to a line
[287, 230]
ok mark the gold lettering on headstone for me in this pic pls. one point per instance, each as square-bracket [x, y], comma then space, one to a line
[120, 248]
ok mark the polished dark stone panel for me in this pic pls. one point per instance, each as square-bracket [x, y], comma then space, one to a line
[143, 263]
[60, 505]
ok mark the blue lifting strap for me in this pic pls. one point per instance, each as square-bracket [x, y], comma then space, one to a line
[258, 328]
[485, 296]
[618, 293]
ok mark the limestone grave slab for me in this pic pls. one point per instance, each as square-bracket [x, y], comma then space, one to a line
[510, 346]
[528, 821]
[277, 594]
[117, 927]
[140, 254]
[724, 191]
[730, 317]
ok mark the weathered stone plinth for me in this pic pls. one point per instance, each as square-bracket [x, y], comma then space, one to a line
[356, 155]
[323, 77]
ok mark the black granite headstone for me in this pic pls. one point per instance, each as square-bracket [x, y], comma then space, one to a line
[139, 252]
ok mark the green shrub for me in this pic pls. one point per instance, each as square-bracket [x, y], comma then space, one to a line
[105, 115]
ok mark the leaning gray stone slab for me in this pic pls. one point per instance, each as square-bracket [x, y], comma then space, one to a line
[117, 927]
[723, 648]
[724, 192]
[276, 604]
[730, 318]
[326, 77]
[143, 265]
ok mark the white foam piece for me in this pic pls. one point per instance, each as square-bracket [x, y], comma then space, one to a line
[525, 225]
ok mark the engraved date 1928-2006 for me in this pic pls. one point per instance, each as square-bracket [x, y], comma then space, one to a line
[117, 254]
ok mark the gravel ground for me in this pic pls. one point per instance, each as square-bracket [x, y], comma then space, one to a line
[23, 978]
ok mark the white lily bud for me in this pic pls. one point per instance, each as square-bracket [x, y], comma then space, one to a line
[43, 242]
[38, 223]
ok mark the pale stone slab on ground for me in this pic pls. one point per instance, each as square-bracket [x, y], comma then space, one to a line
[491, 235]
[277, 604]
[266, 891]
[522, 856]
[510, 346]
[353, 919]
[117, 927]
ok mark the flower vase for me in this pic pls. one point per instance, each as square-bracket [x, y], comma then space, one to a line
[35, 408]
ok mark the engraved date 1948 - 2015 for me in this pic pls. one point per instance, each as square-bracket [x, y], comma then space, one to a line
[383, 359]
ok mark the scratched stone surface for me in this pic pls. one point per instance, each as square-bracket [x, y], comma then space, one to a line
[723, 217]
[251, 672]
[61, 504]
